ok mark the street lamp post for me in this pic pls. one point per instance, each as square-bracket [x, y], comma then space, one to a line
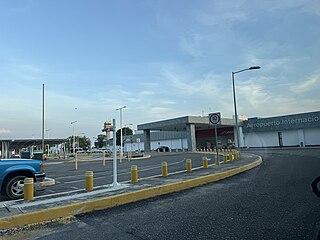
[74, 137]
[43, 118]
[121, 150]
[235, 102]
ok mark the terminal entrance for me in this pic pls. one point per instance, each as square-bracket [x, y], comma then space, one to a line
[198, 132]
[206, 138]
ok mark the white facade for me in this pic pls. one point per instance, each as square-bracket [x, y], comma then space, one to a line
[311, 136]
[297, 130]
[260, 139]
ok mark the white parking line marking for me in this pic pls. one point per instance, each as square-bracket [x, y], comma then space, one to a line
[52, 163]
[82, 180]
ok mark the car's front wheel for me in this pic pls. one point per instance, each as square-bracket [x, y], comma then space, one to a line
[14, 187]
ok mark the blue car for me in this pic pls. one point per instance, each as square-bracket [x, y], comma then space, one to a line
[14, 171]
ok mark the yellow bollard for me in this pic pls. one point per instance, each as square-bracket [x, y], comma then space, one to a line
[189, 165]
[205, 162]
[134, 173]
[225, 159]
[89, 181]
[28, 189]
[164, 169]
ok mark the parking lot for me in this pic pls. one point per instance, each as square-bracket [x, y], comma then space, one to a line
[68, 179]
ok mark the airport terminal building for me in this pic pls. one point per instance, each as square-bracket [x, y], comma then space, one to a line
[298, 130]
[194, 132]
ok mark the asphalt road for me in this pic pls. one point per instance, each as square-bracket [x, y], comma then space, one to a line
[273, 201]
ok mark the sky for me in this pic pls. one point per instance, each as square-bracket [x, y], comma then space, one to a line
[160, 58]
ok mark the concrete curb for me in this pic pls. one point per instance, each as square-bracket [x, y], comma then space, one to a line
[117, 200]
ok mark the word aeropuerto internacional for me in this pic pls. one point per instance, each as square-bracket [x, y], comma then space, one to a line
[287, 121]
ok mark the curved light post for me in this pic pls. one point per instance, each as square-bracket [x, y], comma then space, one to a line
[74, 138]
[121, 150]
[235, 102]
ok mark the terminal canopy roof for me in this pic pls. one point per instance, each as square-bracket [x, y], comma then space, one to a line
[179, 124]
[26, 143]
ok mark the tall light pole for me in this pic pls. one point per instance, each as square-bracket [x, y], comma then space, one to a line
[235, 102]
[121, 150]
[74, 137]
[43, 118]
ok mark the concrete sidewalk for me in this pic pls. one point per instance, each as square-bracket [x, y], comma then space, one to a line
[45, 208]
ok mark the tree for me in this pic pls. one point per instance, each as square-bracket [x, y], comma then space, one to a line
[69, 143]
[81, 142]
[100, 139]
[125, 132]
[84, 142]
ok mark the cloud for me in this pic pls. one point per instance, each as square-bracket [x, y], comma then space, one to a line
[16, 7]
[299, 6]
[148, 84]
[312, 83]
[273, 64]
[161, 112]
[313, 8]
[4, 131]
[147, 93]
[205, 85]
[222, 12]
[268, 96]
[192, 46]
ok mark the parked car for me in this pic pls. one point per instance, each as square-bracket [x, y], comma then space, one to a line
[163, 149]
[14, 171]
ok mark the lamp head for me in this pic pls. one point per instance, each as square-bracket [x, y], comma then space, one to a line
[254, 67]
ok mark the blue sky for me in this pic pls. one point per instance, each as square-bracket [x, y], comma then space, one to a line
[160, 58]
